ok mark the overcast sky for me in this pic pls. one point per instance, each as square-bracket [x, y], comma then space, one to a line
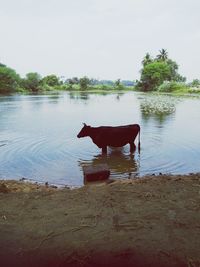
[105, 39]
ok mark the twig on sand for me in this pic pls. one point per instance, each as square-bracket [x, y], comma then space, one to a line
[165, 253]
[83, 226]
[75, 229]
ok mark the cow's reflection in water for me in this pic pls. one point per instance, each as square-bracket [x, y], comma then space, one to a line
[121, 164]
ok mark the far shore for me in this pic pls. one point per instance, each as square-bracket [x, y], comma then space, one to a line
[184, 92]
[149, 221]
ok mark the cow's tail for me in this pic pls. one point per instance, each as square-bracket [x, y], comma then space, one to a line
[139, 140]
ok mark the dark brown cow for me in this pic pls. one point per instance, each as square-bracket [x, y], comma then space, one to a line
[117, 136]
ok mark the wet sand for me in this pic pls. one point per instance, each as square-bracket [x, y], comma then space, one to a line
[151, 221]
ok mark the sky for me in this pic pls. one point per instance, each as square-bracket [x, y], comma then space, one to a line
[103, 39]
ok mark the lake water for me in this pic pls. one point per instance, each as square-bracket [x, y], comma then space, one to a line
[38, 135]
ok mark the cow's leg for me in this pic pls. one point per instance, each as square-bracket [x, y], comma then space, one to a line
[132, 147]
[104, 150]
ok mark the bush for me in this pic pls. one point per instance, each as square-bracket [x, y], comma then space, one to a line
[194, 90]
[84, 83]
[103, 87]
[21, 90]
[45, 87]
[61, 87]
[171, 87]
[51, 80]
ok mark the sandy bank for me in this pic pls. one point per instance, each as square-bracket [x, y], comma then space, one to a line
[153, 221]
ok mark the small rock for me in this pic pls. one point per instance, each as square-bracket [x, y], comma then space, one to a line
[66, 187]
[3, 188]
[54, 186]
[22, 179]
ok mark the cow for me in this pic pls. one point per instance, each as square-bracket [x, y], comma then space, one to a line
[114, 136]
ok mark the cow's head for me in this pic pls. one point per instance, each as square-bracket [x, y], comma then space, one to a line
[85, 131]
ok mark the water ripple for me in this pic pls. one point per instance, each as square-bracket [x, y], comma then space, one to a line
[38, 136]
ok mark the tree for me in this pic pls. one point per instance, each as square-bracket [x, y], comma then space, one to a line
[195, 83]
[163, 56]
[118, 85]
[72, 81]
[147, 59]
[117, 82]
[84, 82]
[174, 75]
[153, 75]
[158, 70]
[94, 81]
[51, 80]
[9, 79]
[32, 81]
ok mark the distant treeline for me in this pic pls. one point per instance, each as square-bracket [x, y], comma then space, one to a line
[111, 83]
[11, 82]
[86, 82]
[157, 74]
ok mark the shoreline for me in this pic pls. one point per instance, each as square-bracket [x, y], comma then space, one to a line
[149, 221]
[189, 92]
[27, 185]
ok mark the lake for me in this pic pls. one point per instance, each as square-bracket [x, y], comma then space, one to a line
[38, 135]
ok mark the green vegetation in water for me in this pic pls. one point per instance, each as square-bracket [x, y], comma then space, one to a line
[157, 106]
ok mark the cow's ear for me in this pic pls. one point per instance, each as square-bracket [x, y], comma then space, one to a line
[84, 124]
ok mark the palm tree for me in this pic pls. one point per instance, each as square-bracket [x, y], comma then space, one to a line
[147, 59]
[163, 56]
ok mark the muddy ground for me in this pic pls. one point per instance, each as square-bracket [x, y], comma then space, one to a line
[151, 221]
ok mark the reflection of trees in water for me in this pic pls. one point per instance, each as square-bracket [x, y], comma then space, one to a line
[40, 100]
[101, 93]
[119, 95]
[54, 98]
[83, 95]
[5, 98]
[117, 161]
[79, 95]
[158, 107]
